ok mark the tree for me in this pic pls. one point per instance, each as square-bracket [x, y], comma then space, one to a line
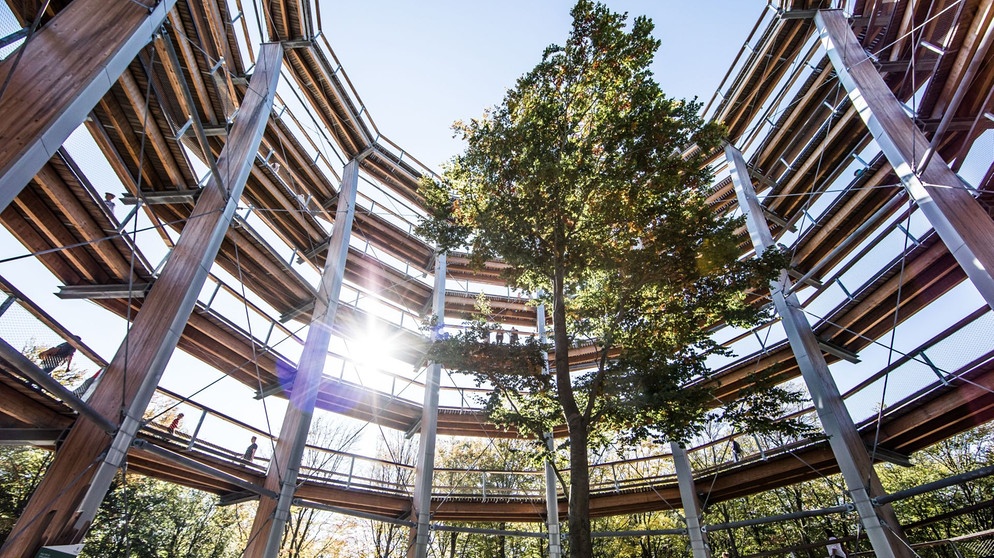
[21, 468]
[144, 517]
[587, 180]
[390, 540]
[310, 532]
[495, 468]
[642, 546]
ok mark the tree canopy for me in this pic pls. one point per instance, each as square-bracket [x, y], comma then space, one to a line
[591, 184]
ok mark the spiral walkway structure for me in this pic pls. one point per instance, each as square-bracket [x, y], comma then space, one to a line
[887, 273]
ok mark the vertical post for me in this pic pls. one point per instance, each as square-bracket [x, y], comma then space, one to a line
[196, 431]
[691, 506]
[762, 452]
[551, 494]
[94, 42]
[425, 467]
[847, 446]
[964, 227]
[271, 516]
[62, 507]
[7, 303]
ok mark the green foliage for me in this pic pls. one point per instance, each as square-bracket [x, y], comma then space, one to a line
[21, 468]
[492, 465]
[147, 518]
[470, 351]
[643, 546]
[589, 182]
[390, 540]
[958, 510]
[140, 518]
[965, 452]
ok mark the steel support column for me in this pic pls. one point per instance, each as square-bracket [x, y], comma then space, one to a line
[272, 515]
[883, 530]
[424, 470]
[92, 41]
[551, 495]
[691, 505]
[950, 208]
[58, 512]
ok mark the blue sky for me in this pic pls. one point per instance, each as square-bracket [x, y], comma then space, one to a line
[419, 66]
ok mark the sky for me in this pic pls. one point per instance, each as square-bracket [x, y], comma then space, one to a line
[419, 66]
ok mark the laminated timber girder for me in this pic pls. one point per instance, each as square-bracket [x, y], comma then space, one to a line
[328, 90]
[766, 64]
[60, 213]
[91, 44]
[884, 29]
[122, 113]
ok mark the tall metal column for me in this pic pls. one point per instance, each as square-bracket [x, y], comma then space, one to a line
[957, 218]
[271, 516]
[58, 512]
[94, 42]
[551, 496]
[424, 471]
[883, 530]
[691, 505]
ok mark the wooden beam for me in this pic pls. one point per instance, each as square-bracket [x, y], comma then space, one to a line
[32, 436]
[965, 228]
[69, 205]
[56, 235]
[72, 488]
[136, 97]
[190, 57]
[90, 40]
[26, 410]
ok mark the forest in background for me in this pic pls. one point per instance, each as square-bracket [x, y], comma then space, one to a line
[146, 518]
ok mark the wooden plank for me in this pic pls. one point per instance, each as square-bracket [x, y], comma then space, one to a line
[56, 235]
[58, 191]
[90, 40]
[196, 79]
[136, 97]
[222, 77]
[28, 411]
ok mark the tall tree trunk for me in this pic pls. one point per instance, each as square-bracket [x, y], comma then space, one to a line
[580, 545]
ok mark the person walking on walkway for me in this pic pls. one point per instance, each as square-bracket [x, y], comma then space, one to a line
[54, 357]
[175, 423]
[249, 454]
